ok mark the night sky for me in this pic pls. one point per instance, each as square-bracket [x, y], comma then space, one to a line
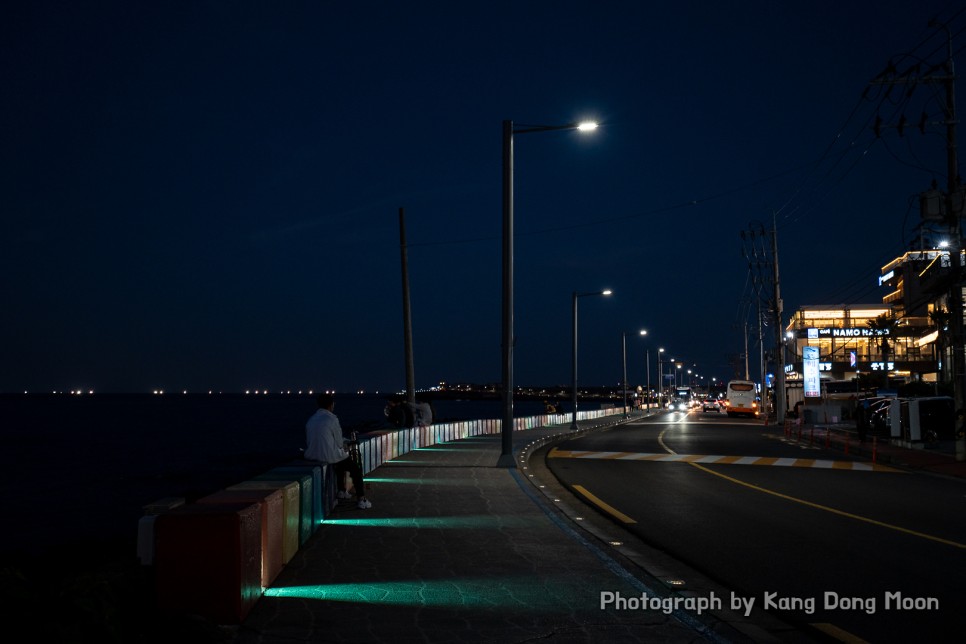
[204, 195]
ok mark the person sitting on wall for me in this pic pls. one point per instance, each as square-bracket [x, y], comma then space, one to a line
[424, 413]
[399, 413]
[326, 444]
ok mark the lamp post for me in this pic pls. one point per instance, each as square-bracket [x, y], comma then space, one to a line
[573, 423]
[506, 430]
[647, 364]
[660, 376]
[624, 348]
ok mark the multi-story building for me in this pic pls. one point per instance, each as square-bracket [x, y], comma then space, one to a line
[899, 336]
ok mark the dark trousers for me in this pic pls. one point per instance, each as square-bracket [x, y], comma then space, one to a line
[355, 471]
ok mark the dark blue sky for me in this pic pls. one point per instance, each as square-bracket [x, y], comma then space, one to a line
[205, 195]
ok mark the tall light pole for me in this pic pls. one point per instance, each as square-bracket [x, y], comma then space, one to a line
[624, 348]
[506, 429]
[660, 376]
[573, 423]
[647, 367]
[647, 364]
[407, 315]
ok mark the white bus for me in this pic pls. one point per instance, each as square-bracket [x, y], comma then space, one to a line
[682, 400]
[741, 398]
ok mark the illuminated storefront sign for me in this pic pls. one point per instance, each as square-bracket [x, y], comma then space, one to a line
[850, 332]
[812, 385]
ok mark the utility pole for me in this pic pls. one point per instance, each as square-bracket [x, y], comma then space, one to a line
[747, 370]
[954, 212]
[953, 208]
[407, 314]
[779, 341]
[757, 253]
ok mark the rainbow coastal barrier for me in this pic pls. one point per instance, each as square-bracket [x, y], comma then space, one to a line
[214, 557]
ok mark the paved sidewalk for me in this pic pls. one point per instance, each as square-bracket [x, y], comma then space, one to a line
[456, 549]
[939, 458]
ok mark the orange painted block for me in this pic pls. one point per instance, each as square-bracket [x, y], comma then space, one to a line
[272, 525]
[316, 470]
[291, 511]
[208, 560]
[305, 483]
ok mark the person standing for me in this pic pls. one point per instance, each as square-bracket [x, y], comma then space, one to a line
[861, 418]
[326, 444]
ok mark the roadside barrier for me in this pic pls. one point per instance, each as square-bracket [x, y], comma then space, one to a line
[215, 557]
[791, 433]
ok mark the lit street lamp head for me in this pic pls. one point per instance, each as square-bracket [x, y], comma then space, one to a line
[509, 130]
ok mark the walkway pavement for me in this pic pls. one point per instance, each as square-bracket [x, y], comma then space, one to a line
[457, 549]
[939, 458]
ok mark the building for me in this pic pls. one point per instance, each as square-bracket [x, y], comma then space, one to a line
[902, 336]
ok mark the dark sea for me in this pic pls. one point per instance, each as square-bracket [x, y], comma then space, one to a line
[78, 469]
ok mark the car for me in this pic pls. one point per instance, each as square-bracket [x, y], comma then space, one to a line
[710, 404]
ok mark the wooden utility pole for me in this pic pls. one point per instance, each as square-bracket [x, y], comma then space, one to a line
[407, 314]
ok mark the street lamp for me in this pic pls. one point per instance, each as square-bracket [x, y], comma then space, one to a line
[573, 424]
[624, 381]
[647, 368]
[506, 455]
[624, 347]
[660, 376]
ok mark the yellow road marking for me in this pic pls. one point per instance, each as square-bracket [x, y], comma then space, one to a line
[826, 508]
[818, 506]
[614, 512]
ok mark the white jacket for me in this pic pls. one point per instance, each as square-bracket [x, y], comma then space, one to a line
[323, 438]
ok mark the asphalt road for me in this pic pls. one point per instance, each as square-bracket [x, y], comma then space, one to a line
[820, 540]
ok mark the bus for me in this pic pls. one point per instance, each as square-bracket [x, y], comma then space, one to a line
[741, 398]
[682, 400]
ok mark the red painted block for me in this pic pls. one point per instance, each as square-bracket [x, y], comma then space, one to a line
[272, 524]
[208, 560]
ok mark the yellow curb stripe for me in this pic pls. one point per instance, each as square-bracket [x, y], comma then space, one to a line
[614, 512]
